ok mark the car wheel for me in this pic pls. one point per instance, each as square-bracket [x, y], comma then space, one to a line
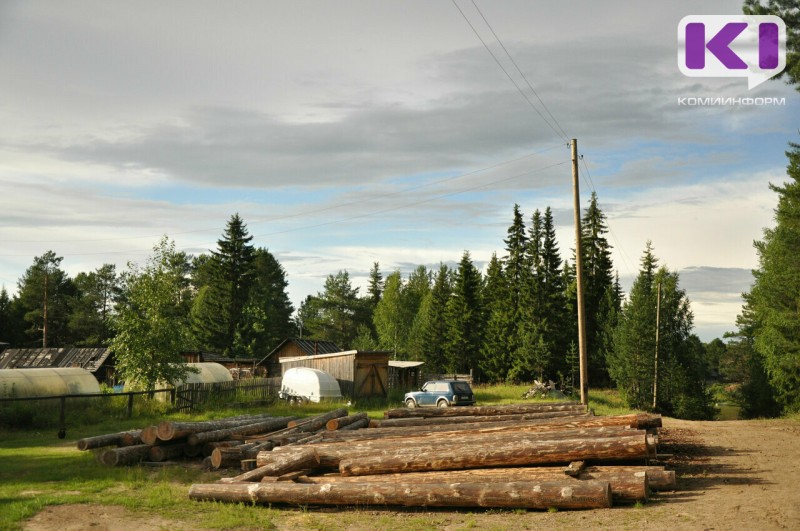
[442, 403]
[410, 403]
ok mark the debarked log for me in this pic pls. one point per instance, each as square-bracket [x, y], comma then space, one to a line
[477, 428]
[657, 477]
[332, 452]
[515, 495]
[626, 486]
[506, 409]
[496, 454]
[465, 418]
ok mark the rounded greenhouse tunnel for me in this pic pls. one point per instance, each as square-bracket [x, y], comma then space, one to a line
[24, 383]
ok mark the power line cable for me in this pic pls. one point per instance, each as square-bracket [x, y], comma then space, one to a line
[496, 60]
[500, 42]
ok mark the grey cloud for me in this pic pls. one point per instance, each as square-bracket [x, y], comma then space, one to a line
[481, 120]
[721, 280]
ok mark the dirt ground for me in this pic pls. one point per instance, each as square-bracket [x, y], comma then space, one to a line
[731, 475]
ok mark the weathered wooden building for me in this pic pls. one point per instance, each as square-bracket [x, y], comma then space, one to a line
[360, 374]
[270, 365]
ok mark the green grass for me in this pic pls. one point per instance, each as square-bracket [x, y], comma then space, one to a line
[607, 402]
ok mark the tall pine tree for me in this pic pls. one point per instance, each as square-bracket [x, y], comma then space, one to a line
[46, 295]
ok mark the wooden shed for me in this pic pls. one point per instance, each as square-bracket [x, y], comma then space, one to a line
[405, 375]
[360, 374]
[270, 365]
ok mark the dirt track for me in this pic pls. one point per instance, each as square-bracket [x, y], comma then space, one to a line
[731, 475]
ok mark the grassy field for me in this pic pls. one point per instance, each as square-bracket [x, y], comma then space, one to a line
[40, 470]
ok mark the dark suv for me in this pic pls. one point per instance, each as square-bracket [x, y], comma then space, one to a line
[441, 393]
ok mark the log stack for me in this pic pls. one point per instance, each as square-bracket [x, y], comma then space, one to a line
[224, 442]
[532, 456]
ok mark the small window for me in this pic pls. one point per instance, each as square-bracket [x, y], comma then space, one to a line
[462, 388]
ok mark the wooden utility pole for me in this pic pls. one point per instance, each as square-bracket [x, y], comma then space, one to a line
[658, 323]
[584, 360]
[44, 312]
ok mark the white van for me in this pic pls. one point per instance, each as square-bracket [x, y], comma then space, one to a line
[306, 384]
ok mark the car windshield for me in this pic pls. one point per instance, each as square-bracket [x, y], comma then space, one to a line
[461, 387]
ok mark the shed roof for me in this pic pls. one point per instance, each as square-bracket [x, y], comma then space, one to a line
[405, 364]
[334, 355]
[310, 347]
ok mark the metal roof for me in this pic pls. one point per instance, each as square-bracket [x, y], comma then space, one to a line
[31, 358]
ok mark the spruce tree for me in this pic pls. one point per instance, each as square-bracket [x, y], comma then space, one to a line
[433, 323]
[375, 285]
[498, 339]
[631, 363]
[600, 302]
[556, 335]
[514, 263]
[267, 316]
[773, 298]
[464, 316]
[681, 371]
[218, 314]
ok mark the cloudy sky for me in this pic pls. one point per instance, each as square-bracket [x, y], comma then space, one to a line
[353, 132]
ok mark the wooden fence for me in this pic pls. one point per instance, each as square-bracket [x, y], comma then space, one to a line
[45, 411]
[247, 391]
[426, 377]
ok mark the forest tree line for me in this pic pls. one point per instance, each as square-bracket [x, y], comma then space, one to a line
[514, 323]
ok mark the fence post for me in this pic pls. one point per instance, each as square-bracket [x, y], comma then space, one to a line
[62, 418]
[130, 405]
[172, 396]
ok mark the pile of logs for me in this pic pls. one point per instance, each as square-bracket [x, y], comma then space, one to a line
[221, 443]
[532, 456]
